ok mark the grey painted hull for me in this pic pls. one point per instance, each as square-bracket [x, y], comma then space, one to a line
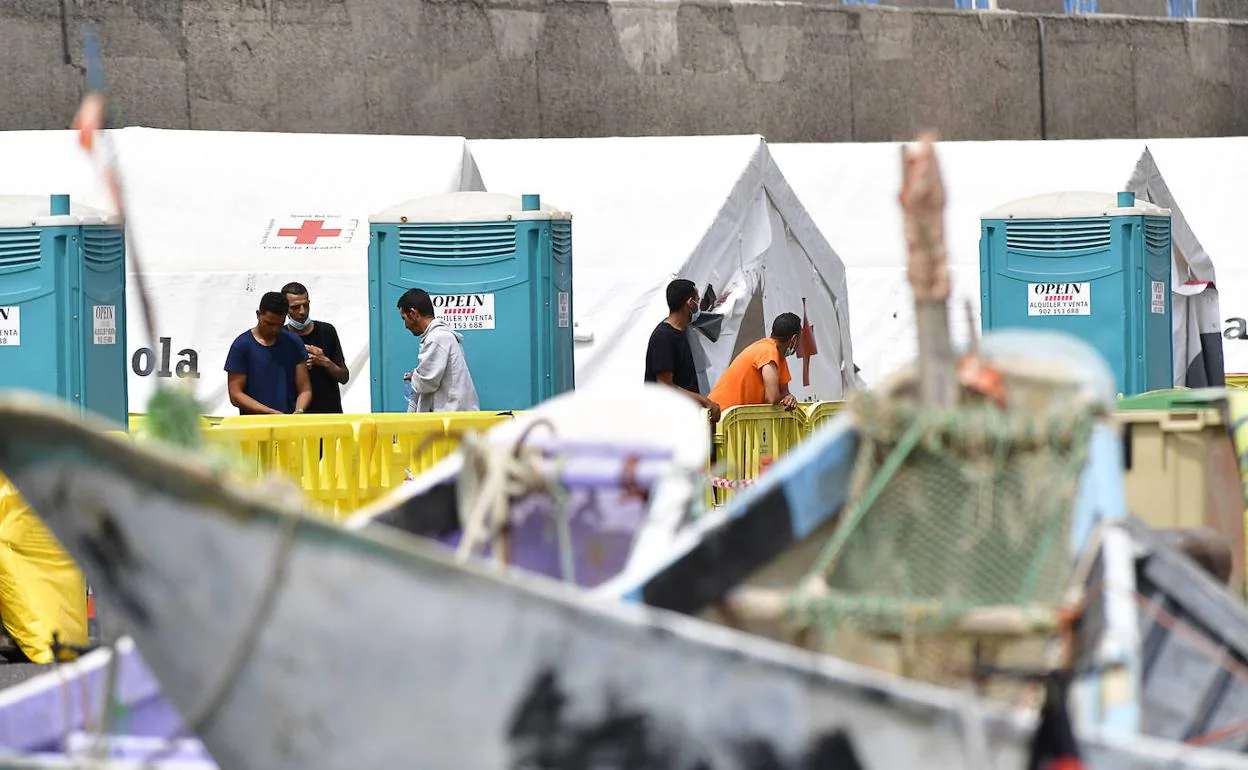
[375, 650]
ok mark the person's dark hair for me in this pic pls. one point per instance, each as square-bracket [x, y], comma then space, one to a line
[295, 288]
[679, 292]
[785, 326]
[418, 300]
[274, 302]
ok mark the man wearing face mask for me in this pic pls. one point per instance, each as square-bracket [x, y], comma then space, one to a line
[441, 381]
[760, 374]
[669, 358]
[327, 366]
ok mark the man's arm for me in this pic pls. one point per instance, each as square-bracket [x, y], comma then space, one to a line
[775, 391]
[303, 386]
[235, 384]
[666, 379]
[429, 372]
[330, 358]
[336, 357]
[771, 383]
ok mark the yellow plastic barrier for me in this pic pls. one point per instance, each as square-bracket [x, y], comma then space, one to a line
[136, 423]
[414, 443]
[42, 591]
[342, 462]
[820, 413]
[1237, 381]
[749, 437]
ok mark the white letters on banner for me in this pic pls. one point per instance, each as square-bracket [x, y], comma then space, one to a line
[11, 326]
[1059, 299]
[466, 312]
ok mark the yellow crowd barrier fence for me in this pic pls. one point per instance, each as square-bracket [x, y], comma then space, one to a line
[342, 462]
[749, 438]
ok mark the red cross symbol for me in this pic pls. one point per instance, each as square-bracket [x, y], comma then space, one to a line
[309, 231]
[806, 346]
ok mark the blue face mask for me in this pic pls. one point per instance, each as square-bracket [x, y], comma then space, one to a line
[297, 325]
[697, 312]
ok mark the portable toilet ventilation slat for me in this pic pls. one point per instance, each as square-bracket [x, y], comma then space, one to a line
[499, 270]
[1094, 265]
[63, 303]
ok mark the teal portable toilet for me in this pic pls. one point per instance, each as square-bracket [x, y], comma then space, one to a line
[63, 303]
[1094, 265]
[499, 270]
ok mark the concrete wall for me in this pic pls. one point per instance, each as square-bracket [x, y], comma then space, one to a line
[504, 68]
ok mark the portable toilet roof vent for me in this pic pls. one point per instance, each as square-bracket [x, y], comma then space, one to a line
[34, 211]
[460, 207]
[1076, 204]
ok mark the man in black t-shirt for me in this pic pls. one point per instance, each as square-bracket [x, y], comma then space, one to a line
[327, 366]
[669, 359]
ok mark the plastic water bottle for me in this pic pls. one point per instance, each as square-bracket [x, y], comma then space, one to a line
[408, 390]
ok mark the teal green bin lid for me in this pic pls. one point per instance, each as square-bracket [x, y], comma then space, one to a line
[1175, 398]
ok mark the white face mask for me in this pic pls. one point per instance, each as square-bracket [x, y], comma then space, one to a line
[297, 325]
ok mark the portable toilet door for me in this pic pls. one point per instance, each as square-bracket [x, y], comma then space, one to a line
[103, 270]
[62, 303]
[499, 271]
[1093, 265]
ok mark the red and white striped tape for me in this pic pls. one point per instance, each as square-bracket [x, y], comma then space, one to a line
[732, 483]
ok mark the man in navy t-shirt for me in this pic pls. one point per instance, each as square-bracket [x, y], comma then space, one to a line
[265, 367]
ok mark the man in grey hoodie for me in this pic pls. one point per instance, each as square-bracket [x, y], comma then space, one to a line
[441, 381]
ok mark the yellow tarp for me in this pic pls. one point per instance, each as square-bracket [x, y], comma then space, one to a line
[42, 591]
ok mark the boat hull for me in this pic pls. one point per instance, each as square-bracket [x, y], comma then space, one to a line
[337, 649]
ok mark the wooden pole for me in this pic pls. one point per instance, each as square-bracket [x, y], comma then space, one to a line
[922, 201]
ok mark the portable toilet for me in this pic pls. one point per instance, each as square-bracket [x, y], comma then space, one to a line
[63, 303]
[1094, 265]
[499, 271]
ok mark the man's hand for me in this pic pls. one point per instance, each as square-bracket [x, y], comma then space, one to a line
[715, 411]
[316, 357]
[789, 402]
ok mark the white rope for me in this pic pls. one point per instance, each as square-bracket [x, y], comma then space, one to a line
[497, 475]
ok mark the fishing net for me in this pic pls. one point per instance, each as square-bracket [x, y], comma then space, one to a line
[954, 517]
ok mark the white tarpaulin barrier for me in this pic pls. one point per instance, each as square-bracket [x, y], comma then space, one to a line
[221, 217]
[851, 191]
[715, 210]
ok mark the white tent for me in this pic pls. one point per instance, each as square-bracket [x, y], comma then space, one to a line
[1201, 180]
[715, 210]
[218, 218]
[851, 191]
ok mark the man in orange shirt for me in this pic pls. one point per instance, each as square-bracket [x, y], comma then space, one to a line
[760, 374]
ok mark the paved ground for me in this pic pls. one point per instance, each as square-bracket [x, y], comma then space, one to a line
[12, 673]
